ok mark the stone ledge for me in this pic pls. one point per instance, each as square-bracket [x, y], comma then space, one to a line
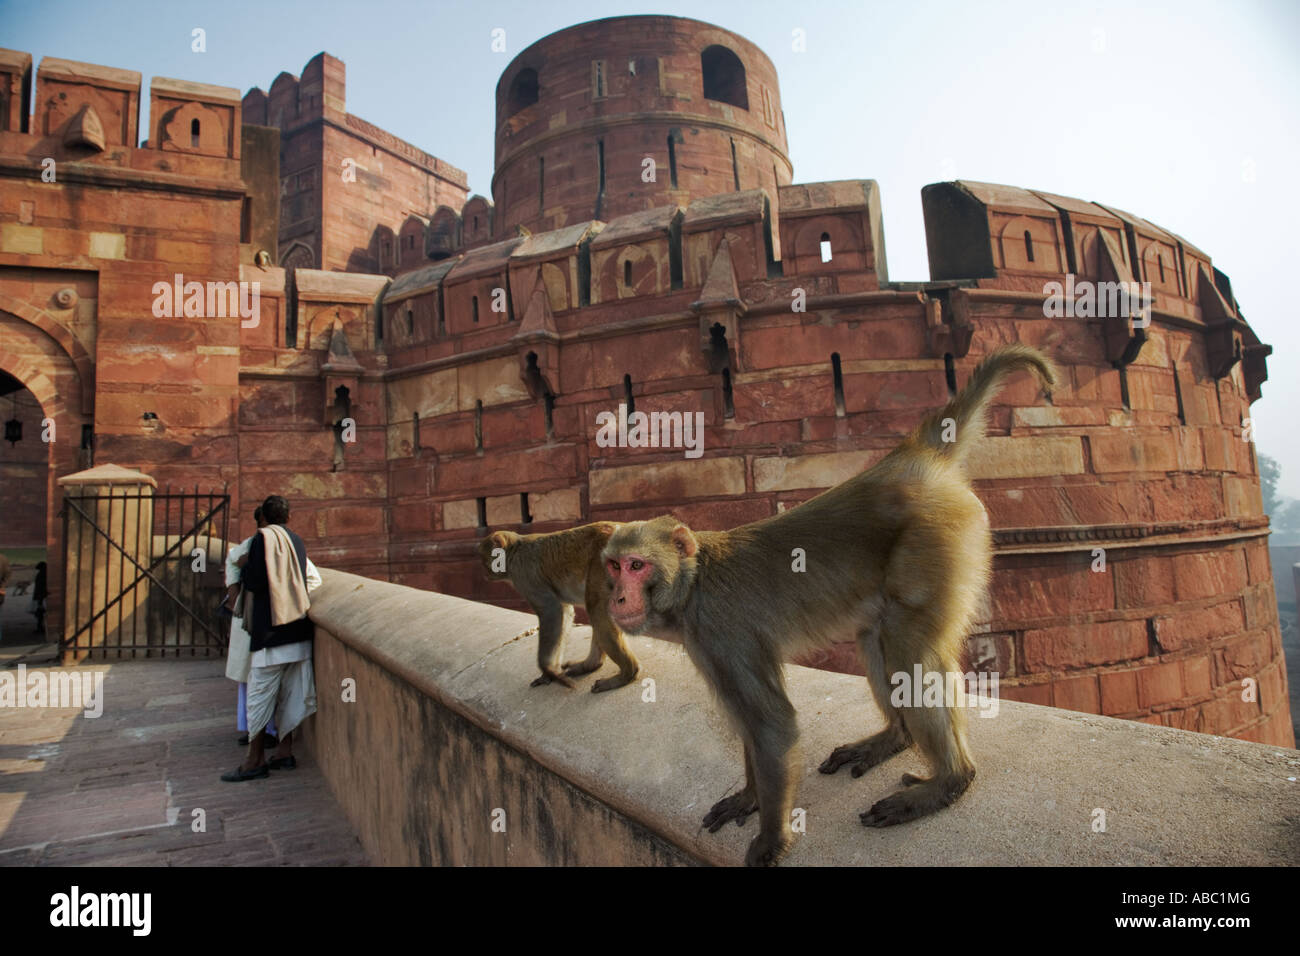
[1171, 797]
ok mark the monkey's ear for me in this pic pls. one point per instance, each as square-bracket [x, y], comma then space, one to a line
[684, 541]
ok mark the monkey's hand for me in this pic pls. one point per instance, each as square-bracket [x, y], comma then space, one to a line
[553, 675]
[736, 807]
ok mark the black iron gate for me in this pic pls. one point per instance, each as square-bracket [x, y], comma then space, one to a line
[144, 573]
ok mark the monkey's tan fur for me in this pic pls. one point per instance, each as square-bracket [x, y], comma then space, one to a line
[898, 555]
[553, 572]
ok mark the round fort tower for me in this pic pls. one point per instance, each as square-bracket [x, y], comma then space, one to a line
[630, 113]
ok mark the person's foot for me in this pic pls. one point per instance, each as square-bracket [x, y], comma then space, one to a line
[239, 774]
[282, 763]
[243, 741]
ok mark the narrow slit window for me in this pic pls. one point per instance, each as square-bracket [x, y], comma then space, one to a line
[548, 408]
[735, 166]
[1178, 396]
[1160, 261]
[838, 374]
[478, 425]
[410, 323]
[600, 159]
[627, 394]
[1123, 388]
[525, 516]
[379, 329]
[672, 162]
[246, 220]
[415, 432]
[1029, 246]
[474, 308]
[598, 77]
[627, 273]
[950, 373]
[826, 247]
[727, 398]
[482, 511]
[194, 133]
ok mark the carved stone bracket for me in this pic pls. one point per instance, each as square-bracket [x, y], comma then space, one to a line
[720, 305]
[1122, 335]
[340, 370]
[1254, 368]
[538, 341]
[948, 328]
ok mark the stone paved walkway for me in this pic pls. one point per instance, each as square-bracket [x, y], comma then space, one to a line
[120, 789]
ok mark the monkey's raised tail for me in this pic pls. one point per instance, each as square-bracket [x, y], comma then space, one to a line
[955, 428]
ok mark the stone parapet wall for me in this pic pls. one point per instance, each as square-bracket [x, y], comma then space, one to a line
[443, 733]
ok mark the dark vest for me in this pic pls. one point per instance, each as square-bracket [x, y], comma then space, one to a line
[255, 580]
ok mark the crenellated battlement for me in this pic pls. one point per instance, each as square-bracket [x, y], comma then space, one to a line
[90, 115]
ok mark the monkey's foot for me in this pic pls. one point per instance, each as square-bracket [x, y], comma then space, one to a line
[736, 807]
[549, 676]
[865, 754]
[921, 798]
[767, 852]
[611, 683]
[578, 668]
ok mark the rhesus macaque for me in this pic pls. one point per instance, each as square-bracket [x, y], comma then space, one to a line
[898, 555]
[553, 572]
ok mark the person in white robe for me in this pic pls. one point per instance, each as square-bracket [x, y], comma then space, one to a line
[281, 680]
[237, 652]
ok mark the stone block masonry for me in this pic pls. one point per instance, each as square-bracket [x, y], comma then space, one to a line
[430, 362]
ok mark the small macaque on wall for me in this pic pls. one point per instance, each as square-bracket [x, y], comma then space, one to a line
[898, 555]
[553, 572]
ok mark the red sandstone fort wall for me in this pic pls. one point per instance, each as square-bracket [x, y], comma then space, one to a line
[406, 411]
[348, 186]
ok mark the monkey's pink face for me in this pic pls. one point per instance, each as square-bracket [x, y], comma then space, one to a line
[630, 576]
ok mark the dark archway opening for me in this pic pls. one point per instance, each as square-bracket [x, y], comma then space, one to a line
[25, 478]
[724, 77]
[523, 93]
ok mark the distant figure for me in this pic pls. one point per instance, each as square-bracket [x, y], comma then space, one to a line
[40, 591]
[281, 682]
[4, 581]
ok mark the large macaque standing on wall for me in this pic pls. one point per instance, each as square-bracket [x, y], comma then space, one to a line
[898, 555]
[553, 572]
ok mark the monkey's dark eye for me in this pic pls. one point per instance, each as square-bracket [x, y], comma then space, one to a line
[638, 565]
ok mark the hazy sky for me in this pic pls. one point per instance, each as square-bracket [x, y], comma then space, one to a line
[1183, 112]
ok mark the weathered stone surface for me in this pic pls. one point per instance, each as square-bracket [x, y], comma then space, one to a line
[811, 471]
[606, 296]
[668, 481]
